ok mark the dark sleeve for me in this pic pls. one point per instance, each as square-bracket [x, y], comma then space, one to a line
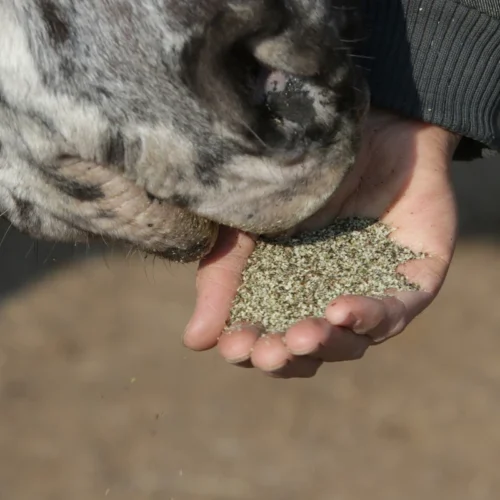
[437, 61]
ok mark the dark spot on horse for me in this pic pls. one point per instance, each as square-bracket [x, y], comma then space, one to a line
[105, 214]
[42, 120]
[67, 67]
[189, 63]
[57, 28]
[103, 91]
[24, 209]
[29, 221]
[134, 152]
[77, 190]
[82, 192]
[182, 201]
[208, 165]
[115, 154]
[206, 175]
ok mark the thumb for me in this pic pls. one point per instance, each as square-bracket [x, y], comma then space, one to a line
[218, 279]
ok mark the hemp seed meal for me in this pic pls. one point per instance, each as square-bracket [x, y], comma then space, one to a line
[286, 281]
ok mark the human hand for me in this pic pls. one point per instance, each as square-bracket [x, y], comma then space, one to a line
[402, 178]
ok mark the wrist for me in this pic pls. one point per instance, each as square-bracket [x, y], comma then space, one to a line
[441, 139]
[426, 135]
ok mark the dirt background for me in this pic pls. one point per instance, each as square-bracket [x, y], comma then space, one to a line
[98, 399]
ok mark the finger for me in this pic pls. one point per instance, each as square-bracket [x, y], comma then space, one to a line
[270, 353]
[357, 313]
[319, 339]
[377, 318]
[218, 278]
[236, 345]
[383, 317]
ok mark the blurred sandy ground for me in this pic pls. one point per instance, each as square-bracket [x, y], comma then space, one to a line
[98, 399]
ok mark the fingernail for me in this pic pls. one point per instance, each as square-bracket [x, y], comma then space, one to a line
[358, 328]
[242, 360]
[337, 318]
[238, 361]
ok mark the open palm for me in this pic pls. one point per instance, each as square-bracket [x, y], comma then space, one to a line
[402, 178]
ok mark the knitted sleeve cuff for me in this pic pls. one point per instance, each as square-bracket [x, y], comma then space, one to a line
[437, 61]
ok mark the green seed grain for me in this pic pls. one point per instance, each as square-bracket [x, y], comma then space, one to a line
[286, 281]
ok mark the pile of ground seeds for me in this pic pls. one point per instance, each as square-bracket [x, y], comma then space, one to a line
[286, 281]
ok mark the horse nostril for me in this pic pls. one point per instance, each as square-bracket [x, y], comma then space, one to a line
[283, 108]
[287, 112]
[288, 99]
[276, 81]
